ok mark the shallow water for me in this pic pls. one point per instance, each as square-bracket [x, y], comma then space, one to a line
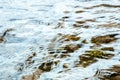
[36, 26]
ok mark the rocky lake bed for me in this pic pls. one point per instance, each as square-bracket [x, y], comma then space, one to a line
[60, 40]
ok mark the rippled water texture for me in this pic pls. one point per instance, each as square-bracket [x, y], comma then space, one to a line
[59, 39]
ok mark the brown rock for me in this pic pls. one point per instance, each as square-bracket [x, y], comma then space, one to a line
[66, 12]
[108, 48]
[77, 25]
[4, 34]
[65, 65]
[1, 39]
[28, 77]
[91, 20]
[64, 55]
[79, 11]
[70, 38]
[104, 39]
[80, 22]
[84, 41]
[47, 66]
[109, 74]
[72, 47]
[110, 24]
[86, 60]
[91, 56]
[33, 76]
[37, 74]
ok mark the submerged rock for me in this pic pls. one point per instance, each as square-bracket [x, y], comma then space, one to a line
[61, 39]
[91, 20]
[108, 49]
[44, 67]
[103, 5]
[104, 39]
[19, 67]
[29, 61]
[66, 48]
[91, 57]
[66, 12]
[84, 41]
[70, 38]
[36, 74]
[99, 54]
[86, 60]
[71, 47]
[4, 34]
[65, 65]
[28, 77]
[1, 39]
[112, 73]
[47, 66]
[77, 25]
[64, 55]
[80, 22]
[79, 11]
[109, 25]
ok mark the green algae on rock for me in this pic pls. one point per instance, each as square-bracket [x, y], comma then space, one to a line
[99, 54]
[96, 53]
[91, 56]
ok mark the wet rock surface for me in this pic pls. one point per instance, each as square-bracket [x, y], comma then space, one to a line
[71, 47]
[104, 39]
[45, 66]
[70, 37]
[33, 76]
[99, 54]
[59, 40]
[4, 34]
[112, 73]
[107, 48]
[91, 57]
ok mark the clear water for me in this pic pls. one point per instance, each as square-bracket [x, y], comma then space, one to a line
[35, 24]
